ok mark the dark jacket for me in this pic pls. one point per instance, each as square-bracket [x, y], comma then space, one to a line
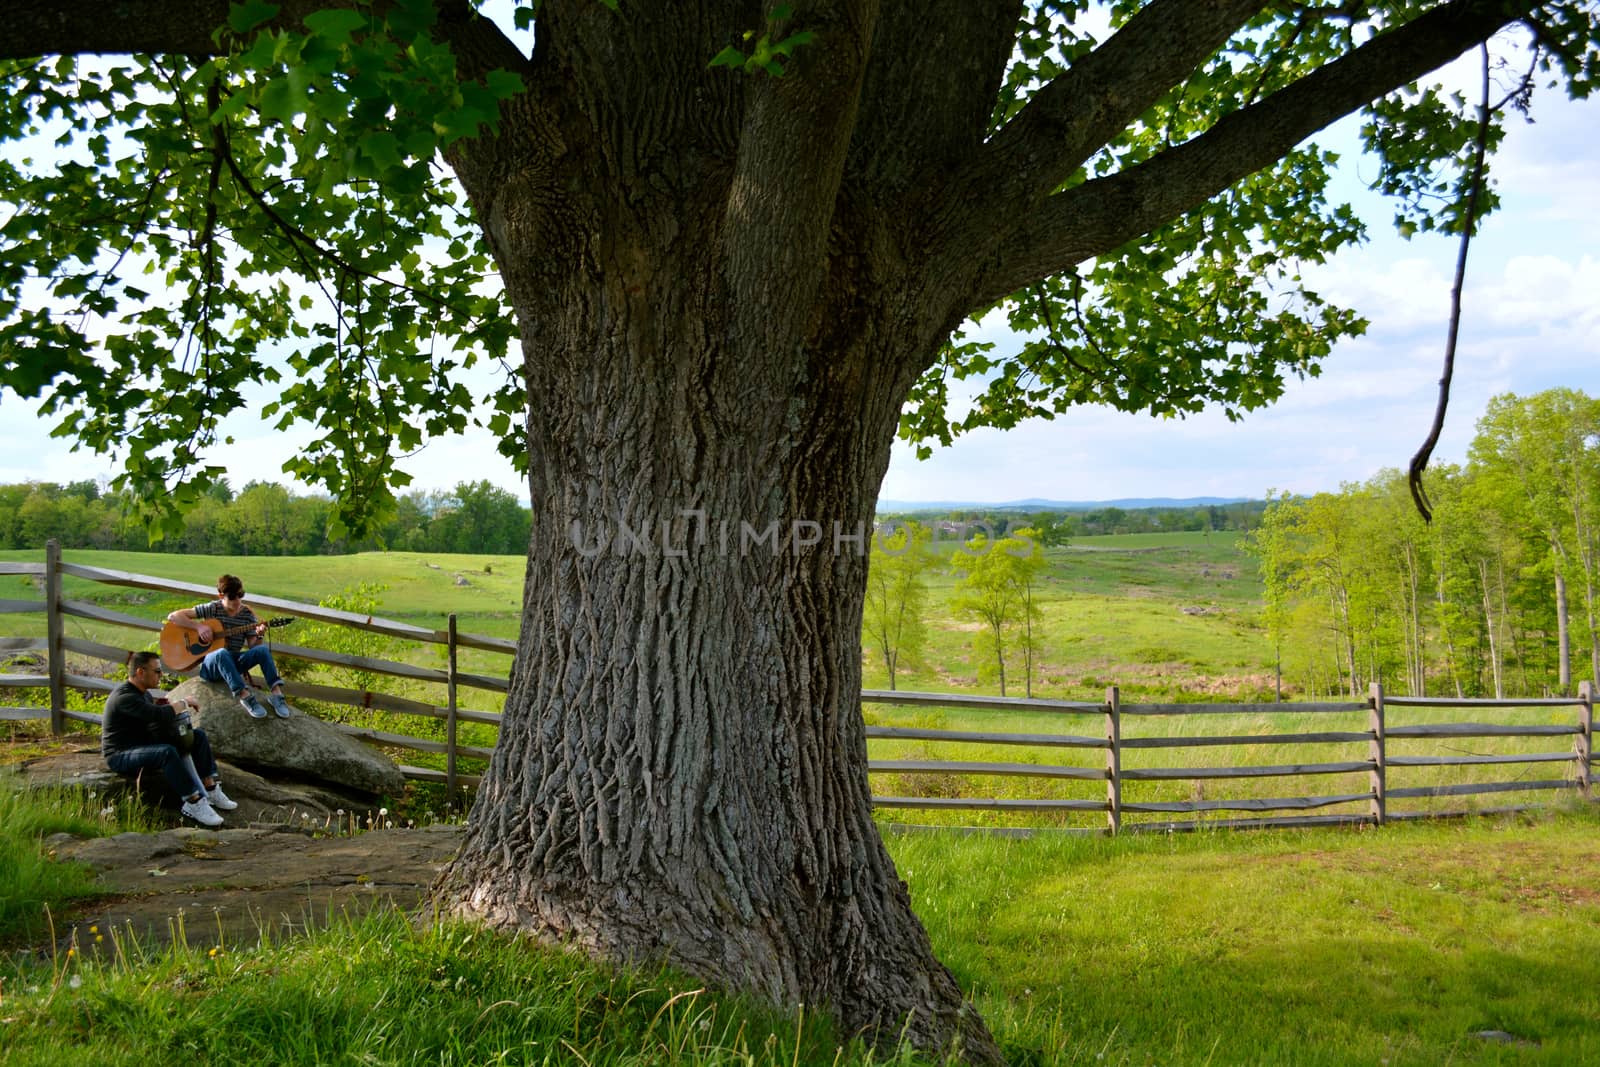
[134, 719]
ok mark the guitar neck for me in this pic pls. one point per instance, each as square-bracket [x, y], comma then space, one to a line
[233, 627]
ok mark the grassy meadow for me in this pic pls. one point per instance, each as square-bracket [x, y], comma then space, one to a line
[1462, 942]
[1114, 613]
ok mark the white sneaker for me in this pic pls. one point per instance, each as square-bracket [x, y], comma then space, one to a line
[219, 799]
[201, 811]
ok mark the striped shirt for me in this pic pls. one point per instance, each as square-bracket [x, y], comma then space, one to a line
[238, 628]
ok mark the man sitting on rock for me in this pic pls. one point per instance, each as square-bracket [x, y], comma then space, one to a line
[141, 732]
[242, 650]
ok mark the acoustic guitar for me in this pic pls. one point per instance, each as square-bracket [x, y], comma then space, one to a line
[181, 647]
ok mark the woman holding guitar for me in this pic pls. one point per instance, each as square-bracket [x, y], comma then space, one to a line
[228, 616]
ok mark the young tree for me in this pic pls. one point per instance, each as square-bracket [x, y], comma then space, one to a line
[997, 586]
[897, 594]
[1029, 572]
[1544, 451]
[726, 285]
[1273, 545]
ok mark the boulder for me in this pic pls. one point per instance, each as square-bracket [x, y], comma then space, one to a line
[300, 745]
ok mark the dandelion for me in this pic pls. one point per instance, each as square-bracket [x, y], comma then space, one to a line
[71, 952]
[75, 981]
[94, 929]
[383, 811]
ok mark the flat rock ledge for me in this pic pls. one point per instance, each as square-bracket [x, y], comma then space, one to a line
[235, 888]
[261, 801]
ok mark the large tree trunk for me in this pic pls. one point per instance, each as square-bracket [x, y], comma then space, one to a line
[681, 773]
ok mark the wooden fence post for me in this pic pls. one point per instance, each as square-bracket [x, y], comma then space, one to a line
[1584, 742]
[450, 714]
[53, 635]
[1114, 759]
[1377, 753]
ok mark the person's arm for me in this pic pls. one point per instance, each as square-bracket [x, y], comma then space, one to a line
[162, 719]
[258, 630]
[189, 619]
[177, 704]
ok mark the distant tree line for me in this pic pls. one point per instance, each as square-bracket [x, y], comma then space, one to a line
[1498, 596]
[263, 519]
[1057, 527]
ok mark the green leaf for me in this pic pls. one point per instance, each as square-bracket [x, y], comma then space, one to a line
[338, 25]
[382, 148]
[246, 16]
[728, 57]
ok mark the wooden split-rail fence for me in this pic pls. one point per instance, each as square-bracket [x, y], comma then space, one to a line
[1567, 769]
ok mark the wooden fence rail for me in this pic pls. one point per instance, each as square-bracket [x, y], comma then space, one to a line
[1371, 805]
[1376, 738]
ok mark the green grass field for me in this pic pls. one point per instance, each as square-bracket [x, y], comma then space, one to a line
[1163, 616]
[1295, 948]
[1114, 608]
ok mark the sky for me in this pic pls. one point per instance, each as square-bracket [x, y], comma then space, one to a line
[1531, 321]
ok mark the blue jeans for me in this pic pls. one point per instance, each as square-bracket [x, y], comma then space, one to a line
[229, 667]
[170, 761]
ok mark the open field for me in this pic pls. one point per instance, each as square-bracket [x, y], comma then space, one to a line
[1465, 943]
[1113, 609]
[1115, 614]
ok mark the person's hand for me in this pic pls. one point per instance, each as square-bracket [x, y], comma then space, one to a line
[204, 633]
[261, 629]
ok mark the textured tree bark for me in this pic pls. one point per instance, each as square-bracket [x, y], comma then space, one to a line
[681, 770]
[681, 773]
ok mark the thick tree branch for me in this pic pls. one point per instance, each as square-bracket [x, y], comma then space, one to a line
[1069, 119]
[931, 83]
[787, 174]
[189, 27]
[1101, 215]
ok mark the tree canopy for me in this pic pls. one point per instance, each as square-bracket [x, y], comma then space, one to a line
[255, 195]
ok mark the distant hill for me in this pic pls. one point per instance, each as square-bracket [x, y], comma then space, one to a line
[1036, 504]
